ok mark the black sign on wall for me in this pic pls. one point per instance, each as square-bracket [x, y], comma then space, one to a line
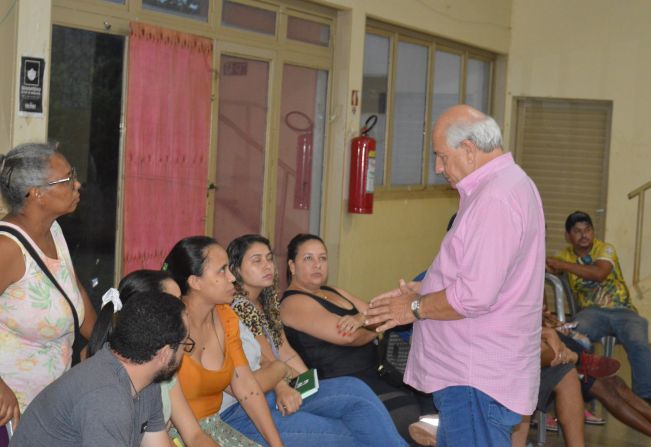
[32, 71]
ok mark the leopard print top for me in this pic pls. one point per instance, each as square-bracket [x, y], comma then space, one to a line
[256, 321]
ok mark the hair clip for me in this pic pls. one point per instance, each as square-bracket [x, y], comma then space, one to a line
[164, 267]
[10, 170]
[112, 296]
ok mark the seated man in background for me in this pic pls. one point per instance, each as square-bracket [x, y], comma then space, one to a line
[559, 384]
[113, 398]
[596, 279]
[598, 381]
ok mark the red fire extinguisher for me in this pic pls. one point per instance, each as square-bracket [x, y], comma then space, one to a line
[362, 170]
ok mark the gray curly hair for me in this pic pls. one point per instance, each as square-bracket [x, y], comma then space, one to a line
[22, 168]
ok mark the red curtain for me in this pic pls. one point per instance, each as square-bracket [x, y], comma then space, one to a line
[167, 139]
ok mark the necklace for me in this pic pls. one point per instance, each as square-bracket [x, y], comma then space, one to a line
[320, 295]
[214, 328]
[136, 393]
[337, 300]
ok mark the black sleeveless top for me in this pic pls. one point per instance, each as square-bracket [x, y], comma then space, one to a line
[328, 359]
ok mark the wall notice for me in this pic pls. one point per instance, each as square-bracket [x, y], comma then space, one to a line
[32, 71]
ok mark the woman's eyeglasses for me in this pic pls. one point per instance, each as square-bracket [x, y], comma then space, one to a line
[188, 345]
[72, 178]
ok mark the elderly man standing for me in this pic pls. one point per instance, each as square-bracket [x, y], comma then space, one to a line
[476, 342]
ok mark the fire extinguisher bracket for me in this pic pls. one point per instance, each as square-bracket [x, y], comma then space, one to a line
[303, 181]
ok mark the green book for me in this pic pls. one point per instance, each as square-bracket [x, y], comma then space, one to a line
[307, 383]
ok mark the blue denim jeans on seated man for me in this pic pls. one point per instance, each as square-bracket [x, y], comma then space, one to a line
[631, 330]
[470, 418]
[343, 413]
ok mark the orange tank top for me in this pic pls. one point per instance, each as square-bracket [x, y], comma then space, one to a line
[203, 387]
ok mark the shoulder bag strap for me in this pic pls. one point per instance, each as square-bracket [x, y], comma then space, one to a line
[32, 251]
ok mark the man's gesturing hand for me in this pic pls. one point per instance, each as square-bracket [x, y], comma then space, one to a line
[393, 308]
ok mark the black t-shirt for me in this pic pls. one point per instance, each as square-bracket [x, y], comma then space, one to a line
[328, 359]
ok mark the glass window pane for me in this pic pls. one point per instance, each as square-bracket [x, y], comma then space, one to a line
[194, 9]
[241, 147]
[374, 95]
[308, 31]
[445, 93]
[250, 18]
[85, 106]
[477, 84]
[409, 114]
[300, 157]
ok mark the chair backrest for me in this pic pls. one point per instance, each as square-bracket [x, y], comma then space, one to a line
[393, 352]
[569, 293]
[559, 294]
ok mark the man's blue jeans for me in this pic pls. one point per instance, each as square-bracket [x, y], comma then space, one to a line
[343, 413]
[631, 330]
[470, 418]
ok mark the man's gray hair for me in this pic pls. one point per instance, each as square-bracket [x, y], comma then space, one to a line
[24, 167]
[484, 133]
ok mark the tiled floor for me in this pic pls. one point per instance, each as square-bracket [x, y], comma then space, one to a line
[614, 433]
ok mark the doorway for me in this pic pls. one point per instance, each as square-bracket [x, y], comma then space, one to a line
[271, 132]
[84, 119]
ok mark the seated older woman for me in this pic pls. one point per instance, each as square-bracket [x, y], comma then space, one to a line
[325, 325]
[36, 321]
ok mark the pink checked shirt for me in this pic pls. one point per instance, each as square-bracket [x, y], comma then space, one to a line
[492, 266]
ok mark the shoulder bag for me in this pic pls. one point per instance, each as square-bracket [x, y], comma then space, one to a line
[76, 348]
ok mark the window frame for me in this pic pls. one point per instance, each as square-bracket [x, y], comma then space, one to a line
[112, 18]
[395, 35]
[491, 75]
[462, 96]
[299, 14]
[388, 152]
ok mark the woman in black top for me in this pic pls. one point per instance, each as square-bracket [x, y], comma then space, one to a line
[325, 325]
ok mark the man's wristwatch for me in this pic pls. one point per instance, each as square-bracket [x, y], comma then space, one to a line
[415, 307]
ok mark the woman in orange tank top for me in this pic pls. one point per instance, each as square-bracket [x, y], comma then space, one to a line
[200, 267]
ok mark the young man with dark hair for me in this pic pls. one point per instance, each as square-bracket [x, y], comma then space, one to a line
[606, 309]
[113, 398]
